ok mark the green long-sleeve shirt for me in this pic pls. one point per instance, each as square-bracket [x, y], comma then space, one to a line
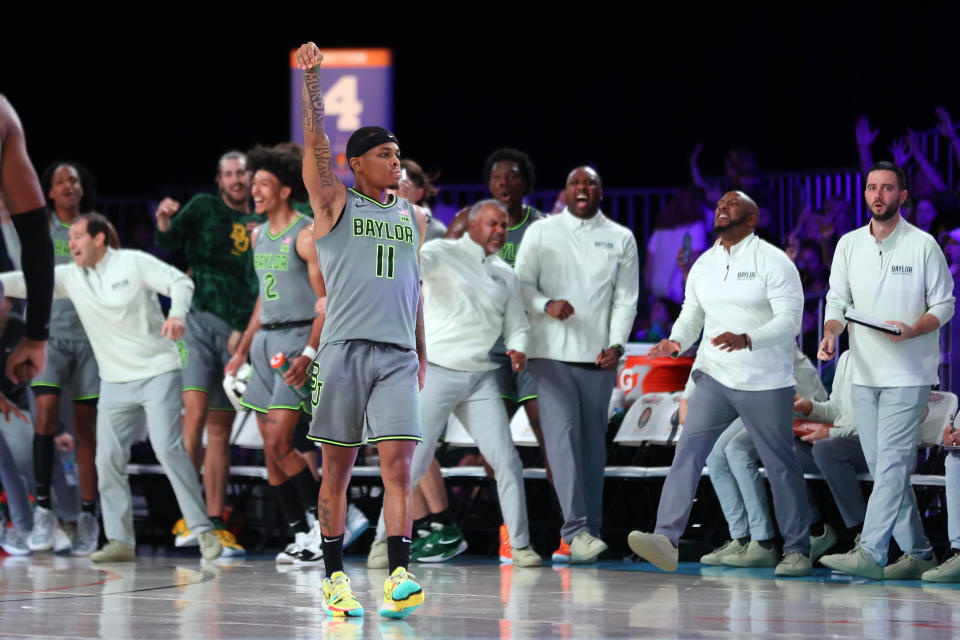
[216, 241]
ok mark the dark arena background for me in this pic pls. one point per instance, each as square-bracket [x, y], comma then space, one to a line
[671, 108]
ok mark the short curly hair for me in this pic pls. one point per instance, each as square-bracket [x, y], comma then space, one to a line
[527, 171]
[285, 161]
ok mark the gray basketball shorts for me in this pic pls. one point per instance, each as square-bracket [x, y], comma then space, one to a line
[70, 365]
[516, 386]
[357, 377]
[266, 389]
[203, 355]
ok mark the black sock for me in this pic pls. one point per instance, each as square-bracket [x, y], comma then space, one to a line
[307, 488]
[43, 468]
[289, 503]
[89, 507]
[217, 522]
[332, 554]
[766, 544]
[744, 540]
[816, 529]
[442, 517]
[398, 552]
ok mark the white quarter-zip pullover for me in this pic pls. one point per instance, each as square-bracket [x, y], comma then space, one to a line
[754, 289]
[469, 300]
[117, 303]
[902, 278]
[592, 264]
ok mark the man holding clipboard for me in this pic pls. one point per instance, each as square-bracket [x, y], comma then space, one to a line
[894, 275]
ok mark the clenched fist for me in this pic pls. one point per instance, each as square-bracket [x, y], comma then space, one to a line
[307, 56]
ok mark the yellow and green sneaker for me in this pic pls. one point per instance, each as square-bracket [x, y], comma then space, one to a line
[401, 595]
[339, 600]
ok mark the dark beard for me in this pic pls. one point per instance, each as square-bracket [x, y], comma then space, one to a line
[888, 213]
[239, 203]
[733, 224]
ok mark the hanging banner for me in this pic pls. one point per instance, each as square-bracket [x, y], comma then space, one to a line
[358, 91]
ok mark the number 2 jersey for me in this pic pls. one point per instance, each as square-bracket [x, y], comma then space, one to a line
[372, 275]
[285, 291]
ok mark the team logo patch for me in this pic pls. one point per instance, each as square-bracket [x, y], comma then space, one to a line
[746, 275]
[316, 386]
[359, 202]
[600, 244]
[901, 270]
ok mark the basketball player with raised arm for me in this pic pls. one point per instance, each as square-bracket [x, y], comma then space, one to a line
[372, 357]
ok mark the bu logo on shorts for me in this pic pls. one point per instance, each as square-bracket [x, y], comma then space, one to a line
[316, 386]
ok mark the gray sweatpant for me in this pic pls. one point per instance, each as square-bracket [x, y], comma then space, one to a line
[768, 417]
[118, 420]
[888, 423]
[574, 402]
[840, 460]
[474, 397]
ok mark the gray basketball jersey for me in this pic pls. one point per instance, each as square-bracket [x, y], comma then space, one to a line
[64, 321]
[285, 291]
[508, 252]
[370, 266]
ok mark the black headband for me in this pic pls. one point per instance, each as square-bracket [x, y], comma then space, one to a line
[366, 138]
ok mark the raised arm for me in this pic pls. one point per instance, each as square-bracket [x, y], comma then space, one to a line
[947, 130]
[458, 226]
[913, 141]
[327, 193]
[865, 138]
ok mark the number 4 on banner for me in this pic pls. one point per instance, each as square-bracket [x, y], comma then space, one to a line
[342, 100]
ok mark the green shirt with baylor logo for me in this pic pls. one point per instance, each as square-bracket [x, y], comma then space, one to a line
[216, 241]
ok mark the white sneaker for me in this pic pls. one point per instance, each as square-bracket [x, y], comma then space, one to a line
[61, 541]
[292, 550]
[41, 538]
[12, 542]
[311, 552]
[87, 536]
[655, 548]
[357, 523]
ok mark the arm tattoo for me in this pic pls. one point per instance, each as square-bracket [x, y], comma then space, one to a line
[313, 112]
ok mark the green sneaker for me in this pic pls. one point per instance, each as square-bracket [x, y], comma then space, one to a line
[441, 545]
[420, 537]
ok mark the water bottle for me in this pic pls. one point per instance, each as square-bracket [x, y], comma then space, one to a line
[280, 365]
[69, 462]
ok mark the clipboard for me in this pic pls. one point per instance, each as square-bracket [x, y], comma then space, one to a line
[865, 320]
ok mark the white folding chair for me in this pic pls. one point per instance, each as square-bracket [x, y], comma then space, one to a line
[653, 419]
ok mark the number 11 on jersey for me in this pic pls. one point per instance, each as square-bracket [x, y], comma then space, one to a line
[385, 270]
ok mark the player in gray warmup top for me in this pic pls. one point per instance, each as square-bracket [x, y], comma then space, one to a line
[372, 357]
